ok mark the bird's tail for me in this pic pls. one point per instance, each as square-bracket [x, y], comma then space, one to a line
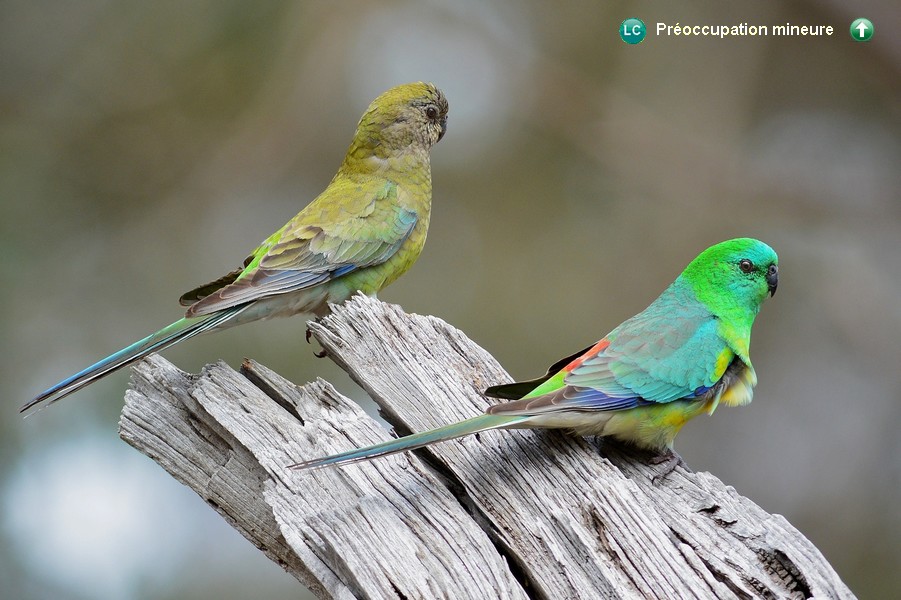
[416, 440]
[165, 337]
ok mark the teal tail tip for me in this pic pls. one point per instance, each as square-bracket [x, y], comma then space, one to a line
[328, 461]
[410, 442]
[48, 396]
[174, 333]
[72, 384]
[98, 370]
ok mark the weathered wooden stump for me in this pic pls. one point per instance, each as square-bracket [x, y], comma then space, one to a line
[505, 514]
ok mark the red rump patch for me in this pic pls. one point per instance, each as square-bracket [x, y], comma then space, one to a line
[594, 351]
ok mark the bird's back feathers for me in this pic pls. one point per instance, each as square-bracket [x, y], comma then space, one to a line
[340, 232]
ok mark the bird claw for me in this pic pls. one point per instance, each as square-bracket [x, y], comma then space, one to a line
[309, 336]
[670, 460]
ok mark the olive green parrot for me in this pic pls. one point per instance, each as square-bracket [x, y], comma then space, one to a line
[363, 232]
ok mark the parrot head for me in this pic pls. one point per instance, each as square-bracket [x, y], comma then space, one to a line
[738, 273]
[407, 119]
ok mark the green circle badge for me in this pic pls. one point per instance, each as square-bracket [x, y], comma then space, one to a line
[861, 30]
[632, 31]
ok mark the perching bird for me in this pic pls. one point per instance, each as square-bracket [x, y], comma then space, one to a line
[364, 231]
[682, 356]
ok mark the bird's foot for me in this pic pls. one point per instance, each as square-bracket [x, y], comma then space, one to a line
[670, 460]
[309, 335]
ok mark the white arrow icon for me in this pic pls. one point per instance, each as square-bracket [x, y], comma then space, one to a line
[862, 28]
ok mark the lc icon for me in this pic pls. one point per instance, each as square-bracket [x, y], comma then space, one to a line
[632, 31]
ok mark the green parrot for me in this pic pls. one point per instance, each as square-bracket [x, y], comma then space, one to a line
[682, 356]
[363, 232]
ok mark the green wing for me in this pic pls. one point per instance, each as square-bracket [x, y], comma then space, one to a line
[354, 224]
[672, 350]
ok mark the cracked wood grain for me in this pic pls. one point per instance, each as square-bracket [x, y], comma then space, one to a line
[504, 514]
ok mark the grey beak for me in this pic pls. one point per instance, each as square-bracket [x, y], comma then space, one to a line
[772, 279]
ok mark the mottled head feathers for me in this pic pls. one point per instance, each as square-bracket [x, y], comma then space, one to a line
[406, 120]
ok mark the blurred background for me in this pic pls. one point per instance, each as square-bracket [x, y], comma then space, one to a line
[147, 147]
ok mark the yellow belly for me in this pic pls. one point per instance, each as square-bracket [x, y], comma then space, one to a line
[653, 427]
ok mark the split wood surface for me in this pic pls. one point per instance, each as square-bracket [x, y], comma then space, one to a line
[504, 514]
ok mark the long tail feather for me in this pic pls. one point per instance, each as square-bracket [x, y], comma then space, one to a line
[174, 333]
[411, 442]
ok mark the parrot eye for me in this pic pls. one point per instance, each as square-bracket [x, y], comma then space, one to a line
[431, 112]
[745, 265]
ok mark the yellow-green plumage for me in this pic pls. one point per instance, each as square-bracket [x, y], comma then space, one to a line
[362, 233]
[372, 219]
